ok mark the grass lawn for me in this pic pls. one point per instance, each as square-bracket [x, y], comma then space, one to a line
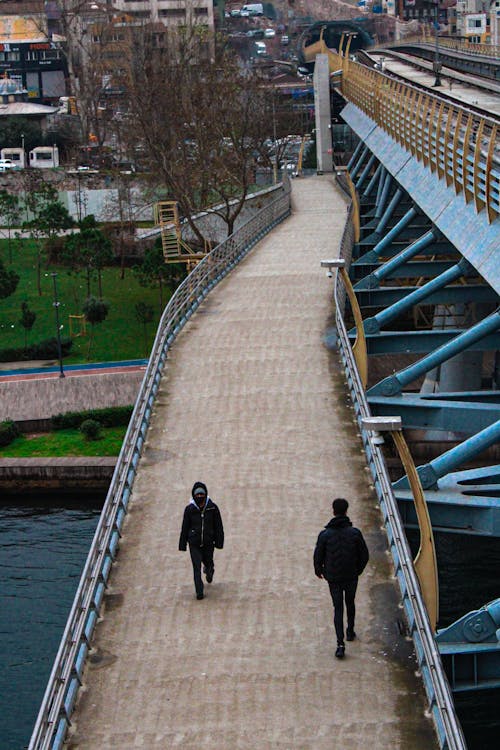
[119, 337]
[65, 443]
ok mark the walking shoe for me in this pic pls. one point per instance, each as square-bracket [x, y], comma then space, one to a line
[350, 635]
[210, 575]
[200, 596]
[339, 653]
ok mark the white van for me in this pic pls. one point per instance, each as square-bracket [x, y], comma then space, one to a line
[254, 9]
[6, 164]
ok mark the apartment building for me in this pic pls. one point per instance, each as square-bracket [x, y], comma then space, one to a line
[170, 12]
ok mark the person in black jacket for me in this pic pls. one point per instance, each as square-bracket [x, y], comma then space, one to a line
[202, 529]
[340, 556]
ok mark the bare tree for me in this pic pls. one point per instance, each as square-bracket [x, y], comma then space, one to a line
[201, 120]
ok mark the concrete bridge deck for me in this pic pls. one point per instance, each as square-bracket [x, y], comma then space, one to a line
[253, 403]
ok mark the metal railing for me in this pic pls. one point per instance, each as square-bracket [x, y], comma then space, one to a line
[436, 684]
[458, 145]
[67, 672]
[457, 45]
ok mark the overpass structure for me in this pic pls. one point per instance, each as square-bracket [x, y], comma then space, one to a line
[250, 401]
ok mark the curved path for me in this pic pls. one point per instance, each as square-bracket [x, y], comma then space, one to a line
[254, 404]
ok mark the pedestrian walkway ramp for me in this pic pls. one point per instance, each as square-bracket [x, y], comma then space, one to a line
[252, 401]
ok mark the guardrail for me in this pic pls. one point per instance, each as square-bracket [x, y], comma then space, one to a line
[458, 145]
[67, 672]
[436, 684]
[491, 51]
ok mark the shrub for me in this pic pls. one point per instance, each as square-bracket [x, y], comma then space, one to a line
[43, 350]
[91, 429]
[8, 432]
[112, 416]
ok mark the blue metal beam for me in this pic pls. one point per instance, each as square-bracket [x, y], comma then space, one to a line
[422, 413]
[394, 384]
[470, 649]
[354, 169]
[364, 173]
[414, 269]
[408, 342]
[442, 247]
[387, 295]
[453, 513]
[386, 216]
[431, 472]
[382, 318]
[369, 188]
[386, 271]
[392, 234]
[471, 666]
[354, 157]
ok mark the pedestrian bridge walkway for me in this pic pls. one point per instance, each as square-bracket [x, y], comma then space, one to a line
[252, 402]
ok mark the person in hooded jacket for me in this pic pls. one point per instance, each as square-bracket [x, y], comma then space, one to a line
[202, 529]
[340, 556]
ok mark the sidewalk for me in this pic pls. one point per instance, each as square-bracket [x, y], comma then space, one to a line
[254, 404]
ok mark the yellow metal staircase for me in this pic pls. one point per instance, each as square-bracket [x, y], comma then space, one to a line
[175, 250]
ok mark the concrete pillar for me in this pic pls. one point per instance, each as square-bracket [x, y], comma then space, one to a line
[323, 114]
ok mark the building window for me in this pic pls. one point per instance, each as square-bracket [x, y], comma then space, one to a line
[172, 13]
[50, 54]
[201, 11]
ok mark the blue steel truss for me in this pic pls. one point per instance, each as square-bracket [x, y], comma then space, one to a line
[432, 320]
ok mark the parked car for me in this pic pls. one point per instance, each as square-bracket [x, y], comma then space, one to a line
[235, 13]
[269, 33]
[7, 164]
[255, 33]
[285, 39]
[260, 48]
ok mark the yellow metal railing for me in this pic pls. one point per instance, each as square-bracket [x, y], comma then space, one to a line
[458, 45]
[459, 146]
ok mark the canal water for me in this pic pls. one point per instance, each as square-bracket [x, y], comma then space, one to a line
[42, 553]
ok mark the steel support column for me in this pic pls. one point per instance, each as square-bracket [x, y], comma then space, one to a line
[364, 173]
[431, 472]
[372, 281]
[355, 169]
[375, 323]
[355, 155]
[394, 384]
[392, 234]
[369, 188]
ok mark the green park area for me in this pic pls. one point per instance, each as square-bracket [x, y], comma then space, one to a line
[65, 443]
[125, 333]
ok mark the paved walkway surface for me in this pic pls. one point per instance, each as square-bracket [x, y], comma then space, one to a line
[254, 404]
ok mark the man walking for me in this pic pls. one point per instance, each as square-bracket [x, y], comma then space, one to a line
[202, 529]
[340, 556]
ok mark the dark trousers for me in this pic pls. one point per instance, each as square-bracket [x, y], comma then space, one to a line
[201, 555]
[338, 591]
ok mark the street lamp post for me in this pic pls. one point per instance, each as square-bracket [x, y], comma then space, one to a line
[23, 154]
[56, 304]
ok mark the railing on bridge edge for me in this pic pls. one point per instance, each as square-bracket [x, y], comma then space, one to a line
[457, 45]
[436, 684]
[67, 672]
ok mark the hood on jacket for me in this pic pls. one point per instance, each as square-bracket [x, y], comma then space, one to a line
[198, 486]
[338, 522]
